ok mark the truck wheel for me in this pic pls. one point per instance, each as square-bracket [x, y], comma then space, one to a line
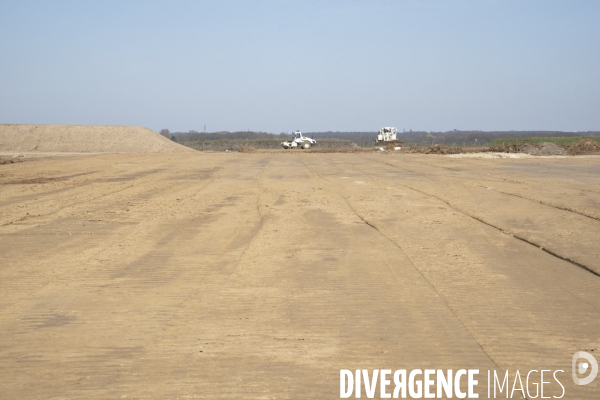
[306, 145]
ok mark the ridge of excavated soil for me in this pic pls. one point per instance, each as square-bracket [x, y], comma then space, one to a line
[84, 139]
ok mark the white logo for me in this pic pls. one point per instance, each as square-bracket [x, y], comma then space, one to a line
[582, 368]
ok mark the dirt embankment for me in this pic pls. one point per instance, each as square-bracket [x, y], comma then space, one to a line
[580, 147]
[435, 149]
[84, 139]
[543, 149]
[584, 146]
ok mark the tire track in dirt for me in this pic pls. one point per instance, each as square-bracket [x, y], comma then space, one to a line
[258, 181]
[498, 179]
[141, 177]
[114, 240]
[425, 278]
[539, 246]
[581, 213]
[506, 232]
[76, 203]
[148, 177]
[546, 204]
[399, 247]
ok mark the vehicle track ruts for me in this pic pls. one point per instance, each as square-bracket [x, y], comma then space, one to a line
[136, 183]
[86, 184]
[116, 238]
[549, 251]
[258, 181]
[499, 179]
[546, 204]
[399, 247]
[583, 214]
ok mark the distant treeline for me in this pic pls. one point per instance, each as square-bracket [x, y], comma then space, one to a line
[365, 139]
[193, 136]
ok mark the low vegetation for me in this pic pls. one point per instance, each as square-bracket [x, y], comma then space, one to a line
[238, 144]
[560, 140]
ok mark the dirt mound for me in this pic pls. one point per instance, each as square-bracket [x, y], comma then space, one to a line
[390, 144]
[435, 149]
[440, 149]
[543, 149]
[84, 139]
[584, 146]
[508, 148]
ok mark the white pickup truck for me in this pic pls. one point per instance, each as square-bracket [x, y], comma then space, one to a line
[299, 141]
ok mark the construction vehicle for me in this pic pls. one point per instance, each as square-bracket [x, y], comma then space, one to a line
[387, 136]
[298, 140]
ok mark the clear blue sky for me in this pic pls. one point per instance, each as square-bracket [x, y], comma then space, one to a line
[282, 65]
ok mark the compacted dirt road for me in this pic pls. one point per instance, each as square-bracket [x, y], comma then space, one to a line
[261, 276]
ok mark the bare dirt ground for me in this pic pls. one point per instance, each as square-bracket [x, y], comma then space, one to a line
[260, 276]
[84, 139]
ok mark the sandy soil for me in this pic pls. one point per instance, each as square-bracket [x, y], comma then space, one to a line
[84, 139]
[256, 276]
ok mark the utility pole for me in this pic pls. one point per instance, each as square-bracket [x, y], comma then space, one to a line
[204, 128]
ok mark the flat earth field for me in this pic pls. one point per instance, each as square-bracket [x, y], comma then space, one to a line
[261, 276]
